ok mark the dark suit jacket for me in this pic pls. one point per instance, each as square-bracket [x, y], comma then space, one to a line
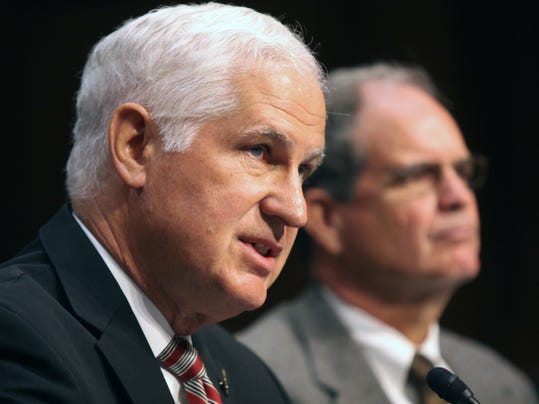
[317, 360]
[68, 335]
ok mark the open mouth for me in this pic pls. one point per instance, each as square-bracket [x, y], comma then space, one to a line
[262, 249]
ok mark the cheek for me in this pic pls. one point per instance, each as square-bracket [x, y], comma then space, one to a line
[399, 221]
[204, 199]
[474, 213]
[413, 221]
[183, 216]
[397, 233]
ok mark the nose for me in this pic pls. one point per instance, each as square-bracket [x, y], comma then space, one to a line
[454, 192]
[287, 202]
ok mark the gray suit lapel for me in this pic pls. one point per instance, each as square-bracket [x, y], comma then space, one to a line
[337, 362]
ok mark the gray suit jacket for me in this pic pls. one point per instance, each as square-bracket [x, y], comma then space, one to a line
[317, 361]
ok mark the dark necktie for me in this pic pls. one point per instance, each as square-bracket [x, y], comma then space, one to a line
[182, 360]
[418, 379]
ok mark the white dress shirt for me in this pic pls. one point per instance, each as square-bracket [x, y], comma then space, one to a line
[388, 352]
[155, 327]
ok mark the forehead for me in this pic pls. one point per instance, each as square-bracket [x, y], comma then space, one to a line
[402, 123]
[282, 96]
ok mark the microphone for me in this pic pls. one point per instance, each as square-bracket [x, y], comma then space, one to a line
[449, 387]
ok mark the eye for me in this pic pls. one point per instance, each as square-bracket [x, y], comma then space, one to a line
[415, 173]
[465, 170]
[473, 171]
[258, 150]
[305, 171]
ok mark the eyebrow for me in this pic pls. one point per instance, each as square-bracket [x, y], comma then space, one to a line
[319, 155]
[275, 136]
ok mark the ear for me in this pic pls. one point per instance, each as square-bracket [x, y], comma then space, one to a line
[323, 220]
[132, 139]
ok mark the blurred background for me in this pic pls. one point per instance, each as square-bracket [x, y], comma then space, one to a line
[483, 56]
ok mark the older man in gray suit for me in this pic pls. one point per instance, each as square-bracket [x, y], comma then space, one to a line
[395, 229]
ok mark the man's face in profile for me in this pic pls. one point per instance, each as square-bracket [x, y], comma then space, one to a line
[217, 221]
[413, 215]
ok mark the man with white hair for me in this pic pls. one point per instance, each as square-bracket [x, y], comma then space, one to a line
[196, 127]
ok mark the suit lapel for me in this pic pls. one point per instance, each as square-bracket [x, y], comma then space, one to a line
[216, 370]
[337, 362]
[130, 356]
[98, 301]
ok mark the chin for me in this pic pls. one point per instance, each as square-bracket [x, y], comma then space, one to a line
[461, 264]
[248, 296]
[253, 302]
[467, 266]
[468, 274]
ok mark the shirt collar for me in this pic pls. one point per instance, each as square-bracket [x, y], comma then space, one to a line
[155, 327]
[388, 352]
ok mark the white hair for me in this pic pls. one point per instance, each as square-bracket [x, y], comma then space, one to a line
[179, 62]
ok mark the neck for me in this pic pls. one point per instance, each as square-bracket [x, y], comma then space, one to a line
[107, 220]
[412, 319]
[102, 222]
[409, 307]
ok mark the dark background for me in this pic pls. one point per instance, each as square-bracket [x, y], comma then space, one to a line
[484, 57]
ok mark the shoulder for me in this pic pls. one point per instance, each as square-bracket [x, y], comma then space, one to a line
[464, 351]
[223, 347]
[491, 376]
[303, 321]
[32, 339]
[272, 322]
[33, 309]
[27, 274]
[285, 343]
[274, 333]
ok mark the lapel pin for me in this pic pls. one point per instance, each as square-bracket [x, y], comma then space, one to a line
[223, 383]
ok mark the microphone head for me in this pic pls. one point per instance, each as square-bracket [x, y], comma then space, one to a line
[447, 385]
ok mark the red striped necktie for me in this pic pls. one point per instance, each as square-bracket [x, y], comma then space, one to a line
[182, 360]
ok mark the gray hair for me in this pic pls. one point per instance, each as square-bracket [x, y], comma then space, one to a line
[344, 157]
[179, 62]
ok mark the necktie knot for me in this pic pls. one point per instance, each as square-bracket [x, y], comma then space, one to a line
[183, 361]
[420, 367]
[418, 379]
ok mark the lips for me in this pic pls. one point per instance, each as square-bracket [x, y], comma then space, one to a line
[262, 249]
[265, 248]
[457, 233]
